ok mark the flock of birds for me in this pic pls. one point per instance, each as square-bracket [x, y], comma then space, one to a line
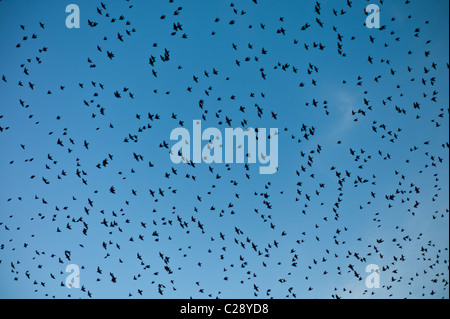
[98, 189]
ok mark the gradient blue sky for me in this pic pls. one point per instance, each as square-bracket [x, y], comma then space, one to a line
[406, 230]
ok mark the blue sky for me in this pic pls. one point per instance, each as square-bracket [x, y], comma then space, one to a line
[418, 153]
